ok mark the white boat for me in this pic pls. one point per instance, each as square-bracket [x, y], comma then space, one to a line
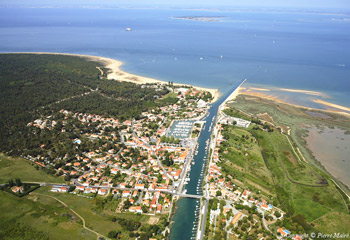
[128, 29]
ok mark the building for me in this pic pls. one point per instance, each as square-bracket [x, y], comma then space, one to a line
[236, 218]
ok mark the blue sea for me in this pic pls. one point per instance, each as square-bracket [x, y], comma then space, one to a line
[297, 50]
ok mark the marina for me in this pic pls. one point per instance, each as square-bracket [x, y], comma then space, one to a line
[185, 221]
[181, 129]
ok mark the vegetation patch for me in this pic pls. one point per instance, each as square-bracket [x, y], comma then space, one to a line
[302, 190]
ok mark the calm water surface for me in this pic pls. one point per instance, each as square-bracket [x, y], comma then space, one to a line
[290, 50]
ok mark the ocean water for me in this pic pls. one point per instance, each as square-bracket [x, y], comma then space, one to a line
[296, 50]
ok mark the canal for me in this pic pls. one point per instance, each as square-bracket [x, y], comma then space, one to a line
[186, 217]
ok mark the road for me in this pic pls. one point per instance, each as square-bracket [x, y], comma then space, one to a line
[204, 218]
[120, 188]
[158, 161]
[82, 219]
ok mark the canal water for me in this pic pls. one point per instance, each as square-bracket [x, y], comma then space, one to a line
[187, 209]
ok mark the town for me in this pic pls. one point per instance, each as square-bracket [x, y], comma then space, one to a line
[145, 162]
[142, 161]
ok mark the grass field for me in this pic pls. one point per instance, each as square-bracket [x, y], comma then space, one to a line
[285, 116]
[329, 222]
[99, 222]
[47, 217]
[244, 160]
[301, 188]
[11, 168]
[40, 218]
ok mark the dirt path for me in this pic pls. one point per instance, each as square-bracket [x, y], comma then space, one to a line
[82, 219]
[100, 70]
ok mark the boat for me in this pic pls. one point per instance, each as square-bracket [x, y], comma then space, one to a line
[128, 29]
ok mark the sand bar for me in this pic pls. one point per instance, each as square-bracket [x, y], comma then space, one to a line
[341, 110]
[314, 93]
[115, 73]
[332, 105]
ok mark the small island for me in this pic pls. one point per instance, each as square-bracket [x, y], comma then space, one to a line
[201, 18]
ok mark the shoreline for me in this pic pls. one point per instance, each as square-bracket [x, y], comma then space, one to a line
[117, 74]
[242, 91]
[319, 163]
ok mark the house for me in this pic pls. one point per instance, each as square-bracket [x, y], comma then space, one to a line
[102, 191]
[76, 164]
[93, 190]
[283, 232]
[245, 194]
[154, 202]
[126, 193]
[159, 209]
[136, 209]
[236, 218]
[86, 184]
[114, 171]
[266, 207]
[145, 202]
[16, 189]
[80, 188]
[251, 200]
[177, 174]
[139, 186]
[87, 190]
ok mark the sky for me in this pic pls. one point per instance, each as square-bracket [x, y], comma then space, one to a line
[316, 4]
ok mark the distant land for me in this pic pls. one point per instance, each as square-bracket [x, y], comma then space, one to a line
[201, 18]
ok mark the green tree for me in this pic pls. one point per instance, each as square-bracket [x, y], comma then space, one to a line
[18, 182]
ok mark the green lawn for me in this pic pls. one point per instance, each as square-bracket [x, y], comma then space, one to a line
[11, 168]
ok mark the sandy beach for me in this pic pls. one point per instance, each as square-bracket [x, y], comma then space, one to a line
[115, 73]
